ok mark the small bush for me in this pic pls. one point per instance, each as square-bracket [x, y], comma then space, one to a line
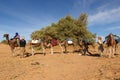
[4, 42]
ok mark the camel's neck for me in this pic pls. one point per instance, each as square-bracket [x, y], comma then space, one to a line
[111, 42]
[7, 39]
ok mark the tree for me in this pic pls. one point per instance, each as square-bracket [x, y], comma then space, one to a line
[66, 27]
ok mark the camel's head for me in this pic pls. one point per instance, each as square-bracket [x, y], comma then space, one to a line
[111, 35]
[5, 35]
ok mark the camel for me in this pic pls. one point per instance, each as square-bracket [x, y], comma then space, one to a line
[54, 42]
[12, 43]
[83, 45]
[43, 44]
[46, 43]
[67, 43]
[32, 45]
[111, 43]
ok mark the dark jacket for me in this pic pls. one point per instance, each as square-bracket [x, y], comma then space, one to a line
[22, 43]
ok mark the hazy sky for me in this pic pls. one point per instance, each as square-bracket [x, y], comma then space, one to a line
[26, 16]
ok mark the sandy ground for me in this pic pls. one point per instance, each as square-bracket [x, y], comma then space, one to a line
[58, 66]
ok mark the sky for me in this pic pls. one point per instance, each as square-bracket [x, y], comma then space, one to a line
[27, 16]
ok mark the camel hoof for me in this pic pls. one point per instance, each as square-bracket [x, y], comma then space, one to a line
[80, 54]
[113, 56]
[109, 57]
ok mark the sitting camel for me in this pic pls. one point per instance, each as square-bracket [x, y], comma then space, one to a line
[12, 43]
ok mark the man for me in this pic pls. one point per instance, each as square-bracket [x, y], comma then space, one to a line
[85, 43]
[22, 46]
[17, 37]
[100, 47]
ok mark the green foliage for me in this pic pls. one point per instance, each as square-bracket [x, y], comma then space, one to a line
[37, 48]
[66, 27]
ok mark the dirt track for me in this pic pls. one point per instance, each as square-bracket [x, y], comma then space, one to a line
[57, 67]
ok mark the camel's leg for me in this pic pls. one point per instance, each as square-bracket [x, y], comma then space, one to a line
[107, 51]
[100, 51]
[16, 50]
[13, 51]
[65, 46]
[22, 52]
[74, 47]
[43, 49]
[116, 46]
[51, 49]
[32, 51]
[110, 52]
[113, 52]
[61, 47]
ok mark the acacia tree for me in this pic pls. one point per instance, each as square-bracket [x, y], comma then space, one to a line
[66, 28]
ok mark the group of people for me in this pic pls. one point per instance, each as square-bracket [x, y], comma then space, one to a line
[22, 43]
[111, 43]
[100, 46]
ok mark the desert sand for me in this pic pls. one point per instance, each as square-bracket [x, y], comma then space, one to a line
[58, 66]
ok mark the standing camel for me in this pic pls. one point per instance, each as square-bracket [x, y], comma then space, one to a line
[54, 42]
[67, 43]
[12, 43]
[38, 44]
[43, 44]
[111, 43]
